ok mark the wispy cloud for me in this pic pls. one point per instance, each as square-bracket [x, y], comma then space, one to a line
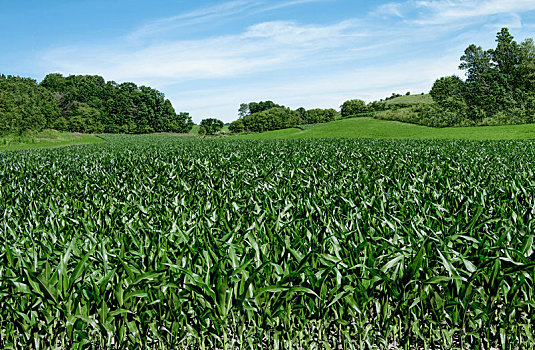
[210, 14]
[441, 12]
[199, 16]
[286, 4]
[390, 9]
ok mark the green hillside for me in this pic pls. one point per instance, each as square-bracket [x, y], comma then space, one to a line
[373, 128]
[45, 138]
[409, 100]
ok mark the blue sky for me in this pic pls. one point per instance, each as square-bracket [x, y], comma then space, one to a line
[210, 56]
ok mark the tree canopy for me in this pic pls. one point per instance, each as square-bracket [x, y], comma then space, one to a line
[499, 86]
[24, 105]
[90, 104]
[353, 107]
[211, 126]
[85, 103]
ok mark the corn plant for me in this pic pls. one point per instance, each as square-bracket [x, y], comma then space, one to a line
[165, 242]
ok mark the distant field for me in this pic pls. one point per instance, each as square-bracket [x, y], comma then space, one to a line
[410, 100]
[47, 138]
[382, 129]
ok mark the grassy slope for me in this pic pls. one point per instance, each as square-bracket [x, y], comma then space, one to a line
[47, 138]
[411, 100]
[374, 128]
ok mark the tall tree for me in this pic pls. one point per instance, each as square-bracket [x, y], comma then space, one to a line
[525, 72]
[507, 52]
[499, 88]
[447, 88]
[302, 114]
[243, 110]
[475, 61]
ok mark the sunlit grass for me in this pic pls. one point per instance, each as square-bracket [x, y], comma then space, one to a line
[382, 129]
[46, 138]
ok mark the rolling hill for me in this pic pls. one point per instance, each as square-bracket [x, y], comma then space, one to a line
[374, 128]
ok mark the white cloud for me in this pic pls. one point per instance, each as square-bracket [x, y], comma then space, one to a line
[390, 9]
[442, 12]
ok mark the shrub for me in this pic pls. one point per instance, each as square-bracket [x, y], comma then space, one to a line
[271, 119]
[212, 126]
[236, 126]
[353, 107]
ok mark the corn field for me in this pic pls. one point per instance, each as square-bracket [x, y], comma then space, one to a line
[160, 242]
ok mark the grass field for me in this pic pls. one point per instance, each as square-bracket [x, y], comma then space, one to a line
[374, 128]
[168, 242]
[408, 100]
[44, 139]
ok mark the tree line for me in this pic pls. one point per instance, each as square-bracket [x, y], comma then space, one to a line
[85, 103]
[267, 115]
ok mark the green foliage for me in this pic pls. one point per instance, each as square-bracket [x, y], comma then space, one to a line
[475, 62]
[90, 104]
[161, 242]
[393, 96]
[271, 119]
[25, 106]
[236, 126]
[266, 116]
[525, 72]
[302, 114]
[498, 89]
[85, 104]
[317, 115]
[376, 106]
[428, 114]
[243, 110]
[211, 126]
[43, 139]
[257, 107]
[507, 53]
[353, 107]
[446, 88]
